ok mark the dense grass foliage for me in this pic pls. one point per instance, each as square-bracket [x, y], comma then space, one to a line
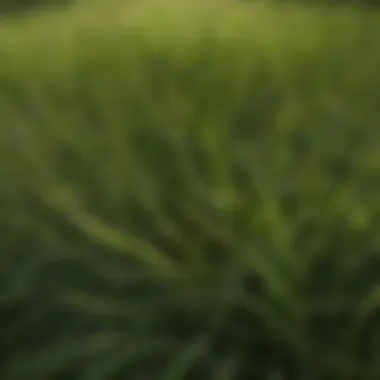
[190, 193]
[332, 3]
[17, 7]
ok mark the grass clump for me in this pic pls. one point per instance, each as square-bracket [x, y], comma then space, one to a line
[190, 193]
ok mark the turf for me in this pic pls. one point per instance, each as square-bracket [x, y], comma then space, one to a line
[190, 192]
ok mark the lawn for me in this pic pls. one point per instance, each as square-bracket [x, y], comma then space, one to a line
[190, 192]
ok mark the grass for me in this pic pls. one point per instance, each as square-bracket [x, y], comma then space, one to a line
[189, 192]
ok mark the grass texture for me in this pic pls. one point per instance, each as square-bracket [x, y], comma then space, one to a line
[190, 192]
